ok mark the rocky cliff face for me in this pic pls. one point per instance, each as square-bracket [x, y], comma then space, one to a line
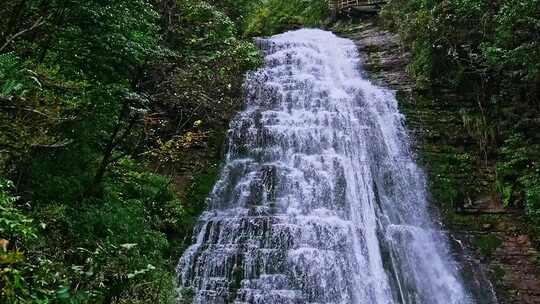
[493, 239]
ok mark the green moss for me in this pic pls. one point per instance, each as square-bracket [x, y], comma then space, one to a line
[201, 186]
[487, 244]
[463, 220]
[498, 273]
[374, 58]
[185, 295]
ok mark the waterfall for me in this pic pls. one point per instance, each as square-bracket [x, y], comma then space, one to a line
[319, 199]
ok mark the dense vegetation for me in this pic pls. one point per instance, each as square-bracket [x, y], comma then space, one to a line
[112, 117]
[486, 54]
[103, 104]
[275, 16]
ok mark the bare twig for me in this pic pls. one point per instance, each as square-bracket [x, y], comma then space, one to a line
[25, 110]
[36, 24]
[53, 146]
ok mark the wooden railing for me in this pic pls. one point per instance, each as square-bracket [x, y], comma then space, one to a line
[340, 5]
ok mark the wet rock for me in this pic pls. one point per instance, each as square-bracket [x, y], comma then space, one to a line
[510, 260]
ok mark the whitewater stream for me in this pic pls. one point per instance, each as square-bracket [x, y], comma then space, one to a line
[319, 199]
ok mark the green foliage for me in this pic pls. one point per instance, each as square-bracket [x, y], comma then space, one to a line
[472, 8]
[88, 92]
[451, 37]
[275, 16]
[15, 227]
[14, 78]
[451, 181]
[162, 208]
[211, 49]
[487, 244]
[519, 175]
[237, 10]
[515, 44]
[201, 85]
[114, 247]
[202, 185]
[488, 54]
[13, 223]
[106, 40]
[127, 255]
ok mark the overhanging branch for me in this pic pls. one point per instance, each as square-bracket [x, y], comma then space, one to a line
[35, 25]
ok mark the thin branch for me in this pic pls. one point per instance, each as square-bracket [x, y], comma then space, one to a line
[25, 110]
[126, 131]
[181, 127]
[119, 157]
[53, 146]
[36, 24]
[50, 84]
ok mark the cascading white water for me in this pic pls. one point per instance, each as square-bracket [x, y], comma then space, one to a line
[320, 200]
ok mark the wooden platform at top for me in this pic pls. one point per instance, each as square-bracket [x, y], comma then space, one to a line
[339, 6]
